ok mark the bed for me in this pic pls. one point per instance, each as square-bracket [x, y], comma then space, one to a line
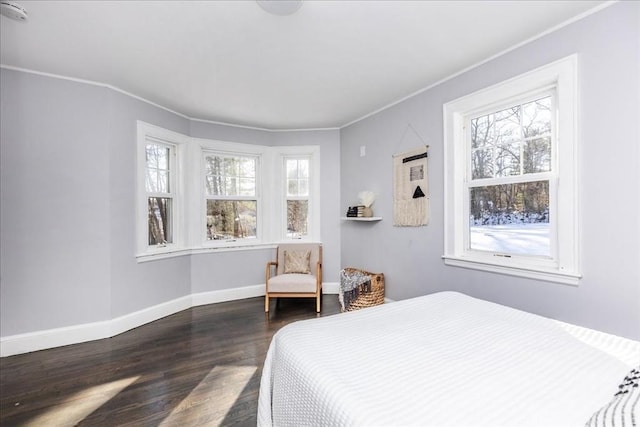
[444, 359]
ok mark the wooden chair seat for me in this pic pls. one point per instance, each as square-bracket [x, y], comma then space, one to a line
[294, 285]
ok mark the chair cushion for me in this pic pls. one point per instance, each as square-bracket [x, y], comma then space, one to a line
[296, 262]
[292, 283]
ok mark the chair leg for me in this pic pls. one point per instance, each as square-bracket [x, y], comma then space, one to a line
[266, 303]
[318, 302]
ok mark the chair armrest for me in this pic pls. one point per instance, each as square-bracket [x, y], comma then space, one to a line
[268, 270]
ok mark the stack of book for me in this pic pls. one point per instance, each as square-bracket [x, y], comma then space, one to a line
[355, 211]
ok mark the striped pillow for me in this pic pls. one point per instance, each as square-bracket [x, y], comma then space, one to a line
[624, 408]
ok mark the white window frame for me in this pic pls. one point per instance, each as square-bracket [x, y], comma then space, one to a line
[312, 153]
[189, 210]
[564, 264]
[177, 143]
[222, 148]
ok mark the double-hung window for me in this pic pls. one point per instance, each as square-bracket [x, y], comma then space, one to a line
[231, 197]
[161, 197]
[160, 188]
[510, 178]
[198, 195]
[297, 196]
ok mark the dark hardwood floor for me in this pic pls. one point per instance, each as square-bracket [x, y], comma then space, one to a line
[198, 367]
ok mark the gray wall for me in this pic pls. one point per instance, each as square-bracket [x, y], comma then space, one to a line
[608, 297]
[208, 273]
[67, 212]
[54, 188]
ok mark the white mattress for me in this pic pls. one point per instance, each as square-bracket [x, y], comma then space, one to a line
[440, 360]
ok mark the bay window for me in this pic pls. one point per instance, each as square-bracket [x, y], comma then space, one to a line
[198, 195]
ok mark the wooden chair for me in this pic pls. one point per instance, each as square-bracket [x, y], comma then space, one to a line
[295, 277]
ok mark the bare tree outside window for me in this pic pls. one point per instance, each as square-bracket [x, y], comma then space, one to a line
[158, 186]
[511, 217]
[297, 178]
[230, 183]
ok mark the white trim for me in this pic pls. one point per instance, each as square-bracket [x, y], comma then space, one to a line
[518, 271]
[232, 294]
[146, 315]
[279, 181]
[564, 264]
[179, 144]
[139, 98]
[439, 82]
[92, 83]
[41, 340]
[50, 338]
[331, 288]
[214, 122]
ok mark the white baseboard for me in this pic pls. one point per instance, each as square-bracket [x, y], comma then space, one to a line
[129, 321]
[50, 338]
[212, 297]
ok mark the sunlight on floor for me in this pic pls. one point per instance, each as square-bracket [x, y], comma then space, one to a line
[220, 388]
[81, 404]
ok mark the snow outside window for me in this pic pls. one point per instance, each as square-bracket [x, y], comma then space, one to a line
[510, 178]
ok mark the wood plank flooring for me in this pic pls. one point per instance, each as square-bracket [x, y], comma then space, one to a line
[198, 367]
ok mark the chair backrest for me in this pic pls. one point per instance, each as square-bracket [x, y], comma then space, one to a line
[314, 258]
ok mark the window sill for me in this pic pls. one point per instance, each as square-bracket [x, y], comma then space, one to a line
[547, 275]
[147, 257]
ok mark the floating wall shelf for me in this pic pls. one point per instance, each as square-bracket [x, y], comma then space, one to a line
[363, 218]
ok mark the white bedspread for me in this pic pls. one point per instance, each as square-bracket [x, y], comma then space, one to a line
[440, 360]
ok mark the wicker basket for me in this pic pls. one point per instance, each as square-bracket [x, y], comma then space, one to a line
[367, 299]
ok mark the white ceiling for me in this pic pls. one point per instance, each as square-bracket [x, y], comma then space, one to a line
[330, 63]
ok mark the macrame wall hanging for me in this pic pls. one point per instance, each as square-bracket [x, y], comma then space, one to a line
[411, 186]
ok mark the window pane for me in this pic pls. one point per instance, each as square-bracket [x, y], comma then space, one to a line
[537, 155]
[510, 218]
[303, 168]
[152, 155]
[482, 131]
[292, 168]
[230, 176]
[213, 165]
[231, 186]
[297, 218]
[248, 168]
[536, 117]
[231, 219]
[507, 123]
[163, 182]
[512, 141]
[303, 187]
[292, 188]
[507, 159]
[157, 156]
[247, 187]
[230, 166]
[160, 219]
[157, 168]
[482, 163]
[151, 181]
